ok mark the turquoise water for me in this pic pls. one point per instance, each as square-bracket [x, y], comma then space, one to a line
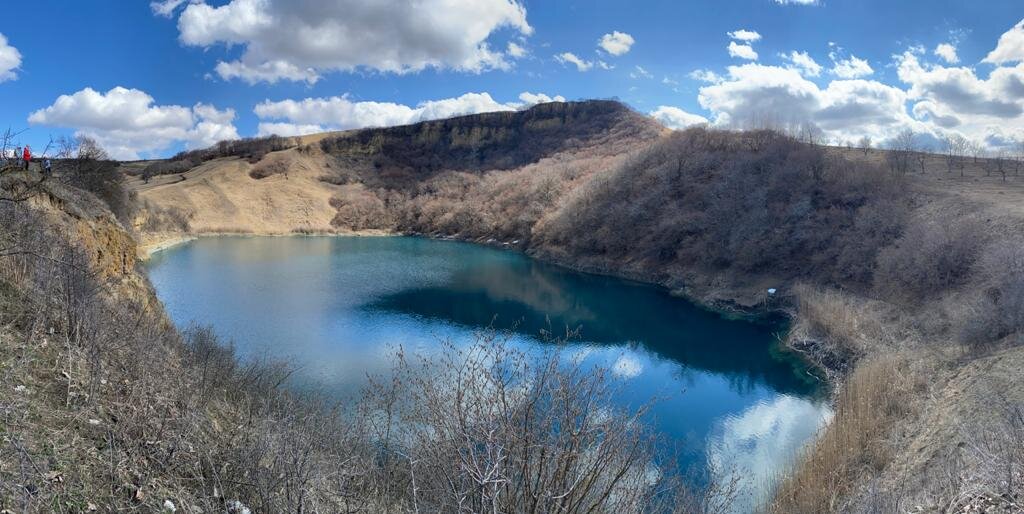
[338, 307]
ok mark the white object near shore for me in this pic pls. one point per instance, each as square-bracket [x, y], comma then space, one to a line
[771, 291]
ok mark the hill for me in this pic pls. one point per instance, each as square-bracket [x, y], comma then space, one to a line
[907, 286]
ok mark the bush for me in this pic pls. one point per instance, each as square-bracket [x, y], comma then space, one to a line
[932, 256]
[167, 168]
[252, 149]
[264, 169]
[756, 202]
[86, 166]
[998, 313]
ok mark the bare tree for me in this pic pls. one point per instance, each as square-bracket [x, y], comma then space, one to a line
[864, 144]
[976, 149]
[996, 163]
[954, 148]
[921, 151]
[901, 149]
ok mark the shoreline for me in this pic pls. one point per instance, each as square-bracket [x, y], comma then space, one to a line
[150, 248]
[805, 350]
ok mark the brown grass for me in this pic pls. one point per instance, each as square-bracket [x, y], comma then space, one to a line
[872, 401]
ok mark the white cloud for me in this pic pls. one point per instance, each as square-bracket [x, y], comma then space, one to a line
[639, 72]
[617, 43]
[797, 2]
[1010, 47]
[960, 89]
[571, 58]
[270, 72]
[299, 41]
[742, 51]
[803, 62]
[705, 76]
[748, 36]
[166, 8]
[754, 94]
[947, 52]
[10, 60]
[126, 122]
[676, 118]
[529, 99]
[312, 115]
[515, 50]
[849, 68]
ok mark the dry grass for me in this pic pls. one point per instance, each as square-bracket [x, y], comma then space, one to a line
[873, 400]
[843, 328]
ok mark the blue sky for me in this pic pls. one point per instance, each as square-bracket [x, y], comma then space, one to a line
[147, 80]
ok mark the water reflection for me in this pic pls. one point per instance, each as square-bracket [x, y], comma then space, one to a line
[338, 308]
[754, 446]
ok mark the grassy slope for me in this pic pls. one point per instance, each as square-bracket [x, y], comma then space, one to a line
[554, 208]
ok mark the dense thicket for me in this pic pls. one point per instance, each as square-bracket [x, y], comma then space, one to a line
[252, 149]
[756, 202]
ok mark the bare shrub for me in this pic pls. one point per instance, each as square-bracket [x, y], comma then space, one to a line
[360, 209]
[714, 198]
[998, 313]
[267, 168]
[86, 166]
[932, 256]
[164, 219]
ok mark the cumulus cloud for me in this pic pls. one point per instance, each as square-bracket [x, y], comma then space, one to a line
[705, 76]
[126, 123]
[312, 115]
[742, 51]
[617, 43]
[1010, 47]
[803, 62]
[748, 36]
[797, 2]
[515, 50]
[676, 118]
[852, 67]
[947, 52]
[759, 94]
[10, 60]
[299, 41]
[571, 58]
[959, 88]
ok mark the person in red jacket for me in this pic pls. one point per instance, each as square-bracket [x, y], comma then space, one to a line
[27, 157]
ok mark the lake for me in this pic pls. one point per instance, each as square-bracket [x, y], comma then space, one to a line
[337, 308]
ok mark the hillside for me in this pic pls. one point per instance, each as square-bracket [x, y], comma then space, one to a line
[907, 286]
[106, 407]
[302, 189]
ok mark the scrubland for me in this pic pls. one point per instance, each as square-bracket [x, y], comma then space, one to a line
[906, 284]
[105, 406]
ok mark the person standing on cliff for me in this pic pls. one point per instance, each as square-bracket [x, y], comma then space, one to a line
[27, 156]
[16, 158]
